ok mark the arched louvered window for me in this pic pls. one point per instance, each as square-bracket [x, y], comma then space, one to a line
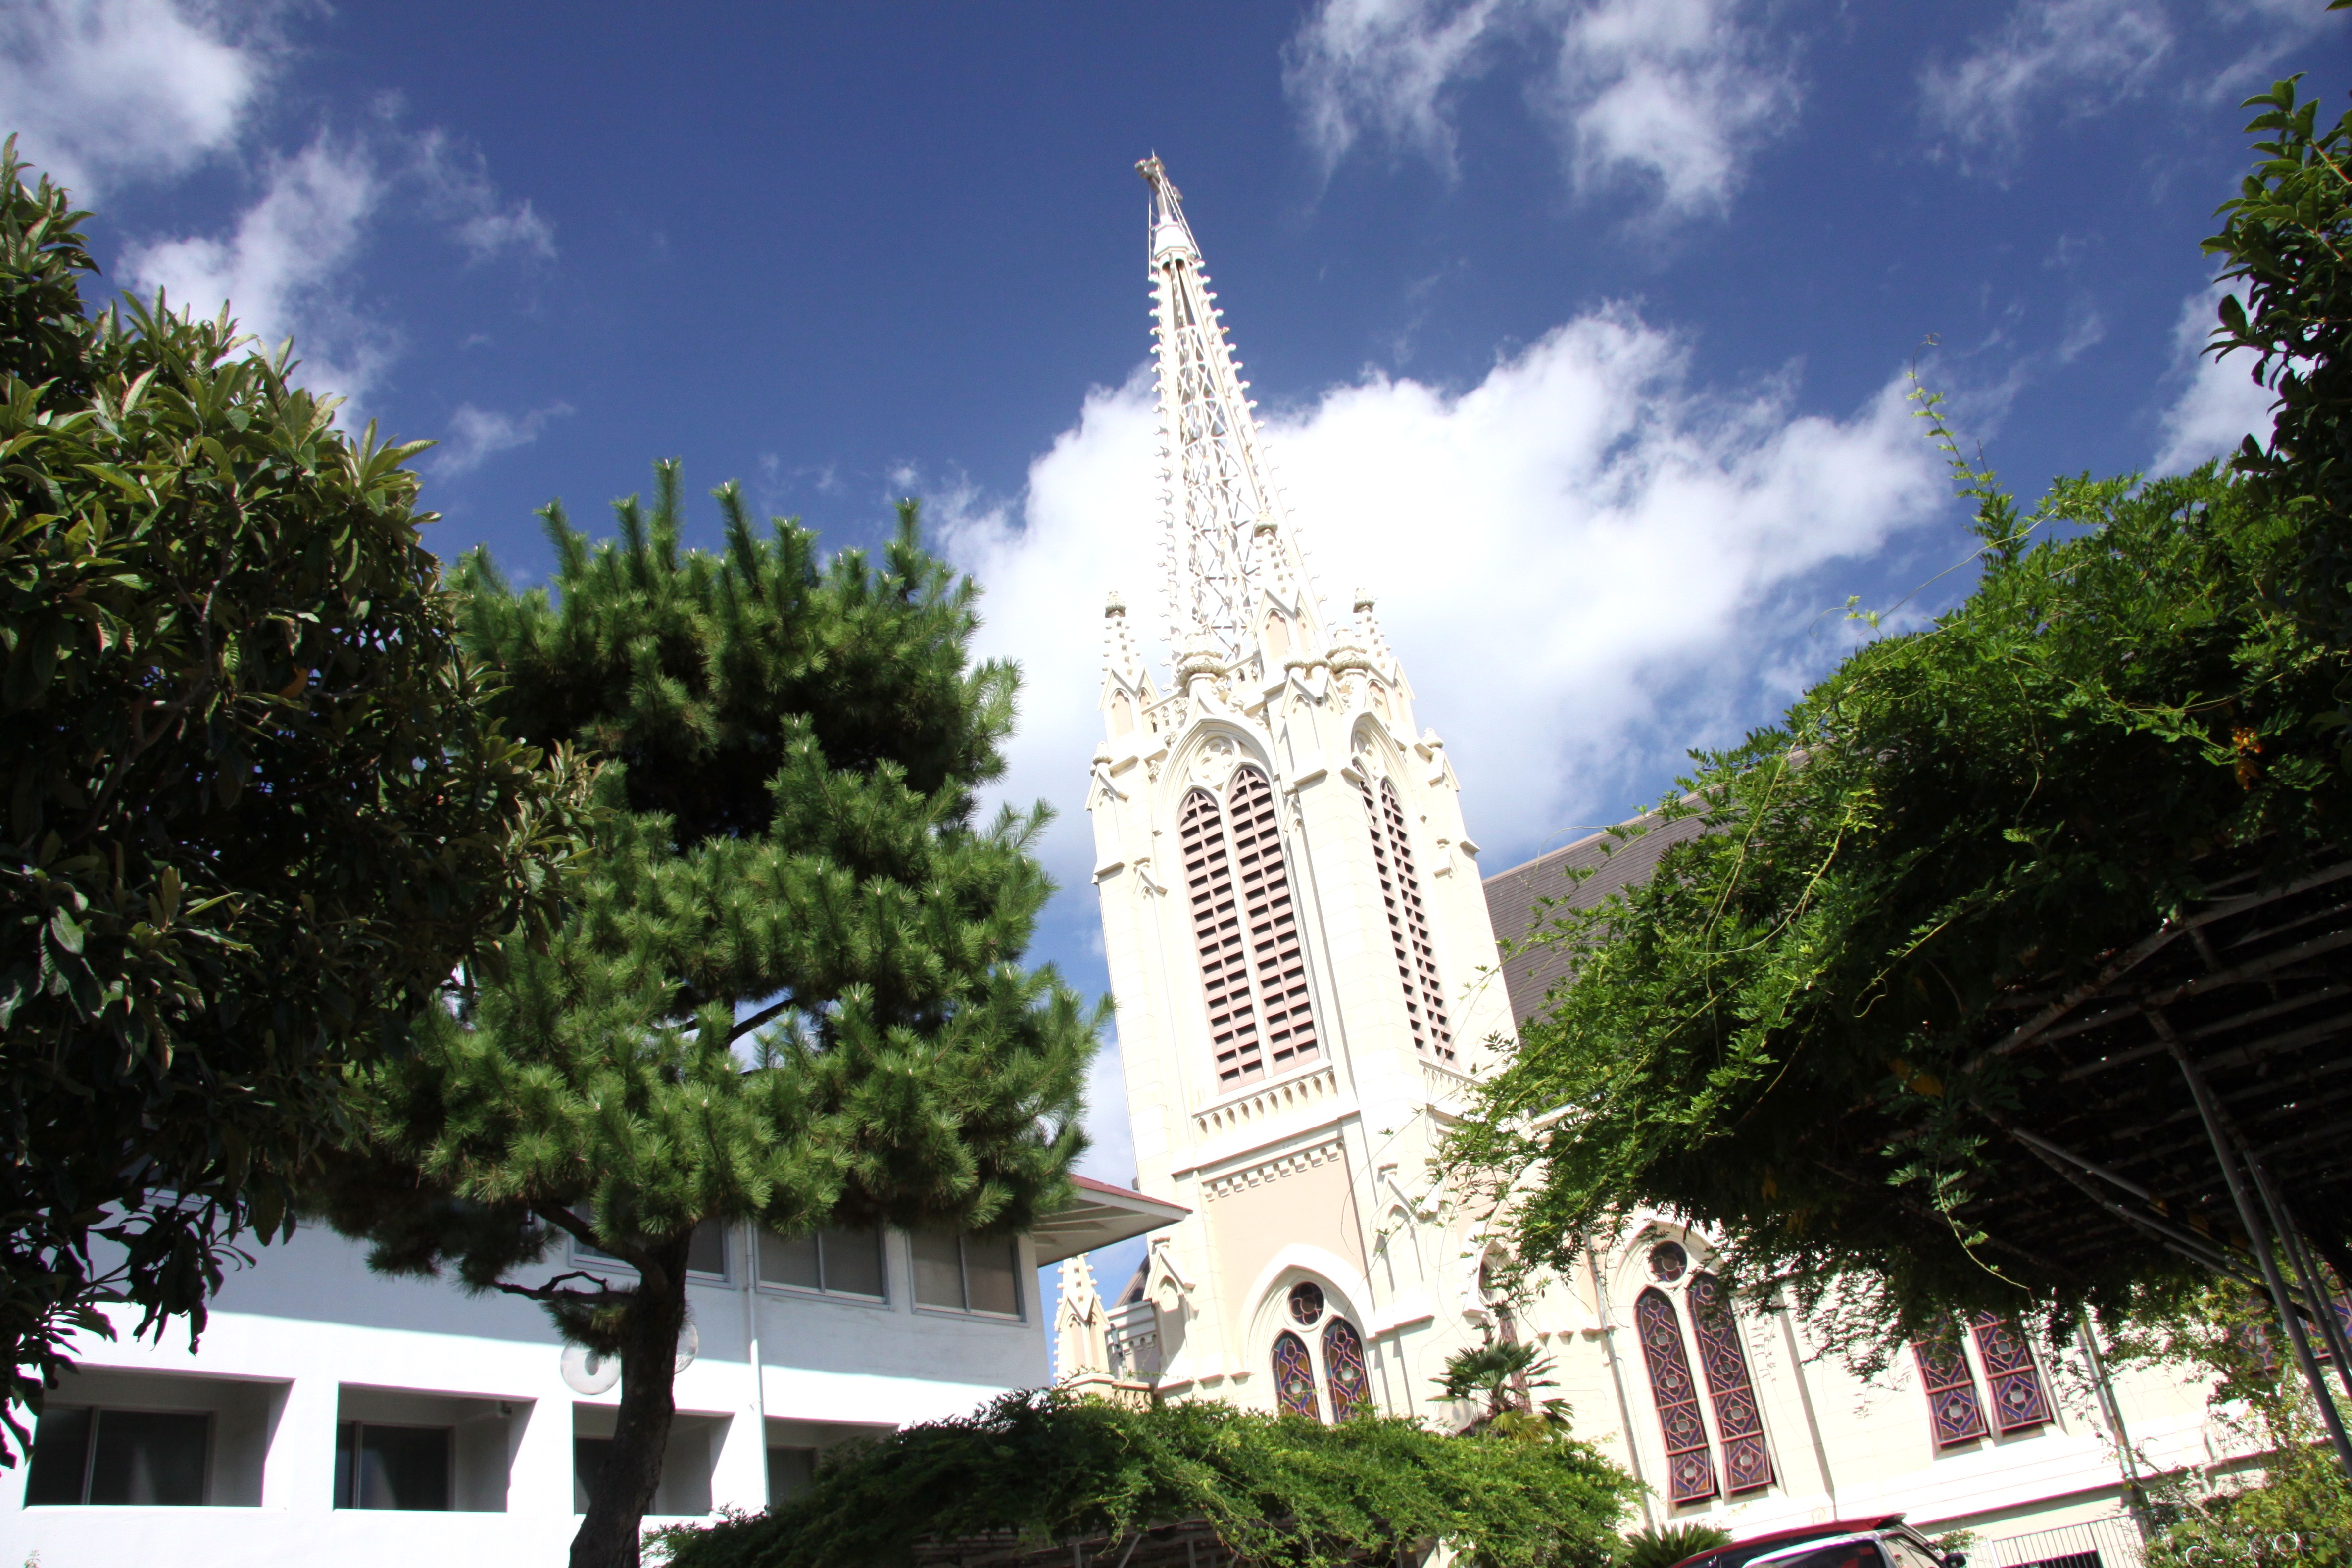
[1746, 1462]
[1690, 1468]
[1416, 955]
[1343, 1370]
[1294, 1377]
[1952, 1406]
[1277, 957]
[1217, 938]
[2018, 1399]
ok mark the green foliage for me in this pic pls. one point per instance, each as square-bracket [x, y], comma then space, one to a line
[1663, 1545]
[255, 810]
[1502, 1376]
[2285, 238]
[788, 987]
[1050, 1469]
[2295, 1513]
[1777, 1035]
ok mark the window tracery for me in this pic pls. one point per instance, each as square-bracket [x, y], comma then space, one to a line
[1343, 1370]
[2019, 1400]
[1747, 1461]
[1409, 933]
[1336, 1365]
[1952, 1406]
[1690, 1466]
[1294, 1376]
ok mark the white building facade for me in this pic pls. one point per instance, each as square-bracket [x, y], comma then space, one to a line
[1304, 960]
[331, 1414]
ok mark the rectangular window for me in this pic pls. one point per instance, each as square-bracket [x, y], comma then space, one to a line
[791, 1471]
[706, 1254]
[149, 1457]
[392, 1466]
[838, 1262]
[967, 1273]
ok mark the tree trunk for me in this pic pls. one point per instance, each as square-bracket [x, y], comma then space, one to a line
[624, 1486]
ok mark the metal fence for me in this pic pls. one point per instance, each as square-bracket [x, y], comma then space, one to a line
[2102, 1544]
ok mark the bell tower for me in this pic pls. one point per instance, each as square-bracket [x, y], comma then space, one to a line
[1299, 947]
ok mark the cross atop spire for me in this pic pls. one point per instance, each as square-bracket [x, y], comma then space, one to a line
[1228, 538]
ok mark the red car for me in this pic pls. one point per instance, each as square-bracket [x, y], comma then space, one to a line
[1873, 1543]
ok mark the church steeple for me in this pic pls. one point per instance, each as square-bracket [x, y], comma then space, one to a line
[1292, 923]
[1232, 558]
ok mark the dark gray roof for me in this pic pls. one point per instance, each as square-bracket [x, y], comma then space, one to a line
[1512, 897]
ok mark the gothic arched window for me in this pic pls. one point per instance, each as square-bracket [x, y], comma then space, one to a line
[1952, 1407]
[1278, 956]
[1294, 1377]
[1343, 1370]
[1217, 938]
[1416, 955]
[1746, 1463]
[1690, 1468]
[2018, 1400]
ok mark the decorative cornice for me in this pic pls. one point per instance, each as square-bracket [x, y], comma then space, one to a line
[1273, 1170]
[1275, 1100]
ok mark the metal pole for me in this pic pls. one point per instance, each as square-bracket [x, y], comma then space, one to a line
[2331, 1328]
[752, 1348]
[2256, 1233]
[2133, 1493]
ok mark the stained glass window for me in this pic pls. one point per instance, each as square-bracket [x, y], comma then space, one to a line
[1294, 1377]
[2018, 1398]
[1343, 1370]
[1690, 1468]
[1217, 936]
[1667, 1261]
[1746, 1462]
[1952, 1406]
[1306, 1303]
[1278, 958]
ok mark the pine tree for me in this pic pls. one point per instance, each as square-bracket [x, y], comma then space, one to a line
[788, 987]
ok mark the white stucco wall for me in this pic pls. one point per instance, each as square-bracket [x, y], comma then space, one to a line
[309, 1336]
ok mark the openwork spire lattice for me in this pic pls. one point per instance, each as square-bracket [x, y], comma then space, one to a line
[1227, 535]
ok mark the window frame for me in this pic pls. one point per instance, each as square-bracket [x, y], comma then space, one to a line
[583, 1255]
[97, 1412]
[820, 1291]
[1019, 1313]
[359, 1428]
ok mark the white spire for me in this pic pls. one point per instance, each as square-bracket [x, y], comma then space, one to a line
[1226, 527]
[1118, 646]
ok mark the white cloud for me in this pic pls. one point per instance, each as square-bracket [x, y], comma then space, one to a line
[291, 264]
[1382, 69]
[116, 90]
[285, 268]
[459, 191]
[477, 434]
[2220, 403]
[1673, 95]
[2091, 53]
[1579, 558]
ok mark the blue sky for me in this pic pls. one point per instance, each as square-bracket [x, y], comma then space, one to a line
[1581, 325]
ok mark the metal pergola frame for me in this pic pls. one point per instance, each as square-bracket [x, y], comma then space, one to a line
[2197, 1093]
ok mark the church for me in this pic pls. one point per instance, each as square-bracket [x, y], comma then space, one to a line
[1303, 951]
